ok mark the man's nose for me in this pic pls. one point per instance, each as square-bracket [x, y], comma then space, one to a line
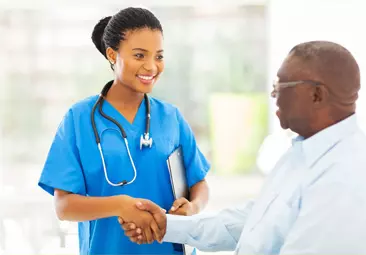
[274, 93]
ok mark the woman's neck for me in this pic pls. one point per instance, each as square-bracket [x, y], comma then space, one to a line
[124, 97]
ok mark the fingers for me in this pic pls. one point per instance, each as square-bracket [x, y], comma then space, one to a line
[178, 203]
[148, 235]
[161, 221]
[156, 231]
[128, 226]
[133, 233]
[139, 239]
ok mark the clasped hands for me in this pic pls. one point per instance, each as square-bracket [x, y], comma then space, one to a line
[144, 221]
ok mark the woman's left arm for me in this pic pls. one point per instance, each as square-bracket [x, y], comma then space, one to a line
[197, 168]
[199, 194]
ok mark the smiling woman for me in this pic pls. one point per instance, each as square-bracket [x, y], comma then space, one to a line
[134, 48]
[98, 164]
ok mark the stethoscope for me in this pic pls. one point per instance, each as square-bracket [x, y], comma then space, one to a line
[145, 140]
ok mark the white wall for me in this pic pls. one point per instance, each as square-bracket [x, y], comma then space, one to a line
[295, 21]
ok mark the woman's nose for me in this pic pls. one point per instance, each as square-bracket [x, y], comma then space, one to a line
[150, 66]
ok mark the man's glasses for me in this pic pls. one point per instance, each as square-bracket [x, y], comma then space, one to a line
[278, 85]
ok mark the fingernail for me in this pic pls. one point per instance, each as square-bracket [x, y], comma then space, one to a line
[173, 208]
[138, 231]
[133, 227]
[139, 203]
[163, 210]
[139, 237]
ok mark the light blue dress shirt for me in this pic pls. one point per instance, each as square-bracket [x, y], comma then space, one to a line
[314, 202]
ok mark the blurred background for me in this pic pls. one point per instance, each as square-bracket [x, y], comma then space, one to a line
[221, 58]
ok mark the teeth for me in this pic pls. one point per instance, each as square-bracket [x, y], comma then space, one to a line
[146, 77]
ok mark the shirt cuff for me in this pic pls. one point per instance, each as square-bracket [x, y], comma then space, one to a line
[178, 228]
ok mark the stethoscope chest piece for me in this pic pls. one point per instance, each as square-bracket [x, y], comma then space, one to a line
[145, 141]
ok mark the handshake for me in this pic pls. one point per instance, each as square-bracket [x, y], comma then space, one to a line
[144, 221]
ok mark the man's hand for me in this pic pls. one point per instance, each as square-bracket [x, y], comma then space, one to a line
[134, 231]
[182, 206]
[148, 221]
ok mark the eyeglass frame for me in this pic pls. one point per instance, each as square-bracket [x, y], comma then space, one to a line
[277, 85]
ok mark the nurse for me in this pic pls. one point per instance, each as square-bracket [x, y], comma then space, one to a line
[92, 184]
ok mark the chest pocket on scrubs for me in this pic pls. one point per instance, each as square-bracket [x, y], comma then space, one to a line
[166, 139]
[164, 145]
[116, 157]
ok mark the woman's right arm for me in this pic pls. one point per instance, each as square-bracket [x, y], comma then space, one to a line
[63, 177]
[73, 207]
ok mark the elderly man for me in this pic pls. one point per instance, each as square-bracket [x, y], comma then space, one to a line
[314, 201]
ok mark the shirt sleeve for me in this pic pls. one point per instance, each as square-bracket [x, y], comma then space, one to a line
[195, 162]
[209, 231]
[332, 220]
[62, 169]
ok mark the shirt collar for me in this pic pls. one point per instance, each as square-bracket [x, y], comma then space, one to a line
[314, 147]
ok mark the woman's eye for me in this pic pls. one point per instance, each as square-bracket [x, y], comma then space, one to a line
[160, 57]
[139, 55]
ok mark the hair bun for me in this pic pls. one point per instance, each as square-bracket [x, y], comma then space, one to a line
[97, 35]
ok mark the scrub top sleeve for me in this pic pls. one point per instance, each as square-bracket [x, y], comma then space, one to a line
[195, 162]
[62, 169]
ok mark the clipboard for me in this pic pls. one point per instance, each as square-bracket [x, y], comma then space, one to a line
[177, 174]
[178, 180]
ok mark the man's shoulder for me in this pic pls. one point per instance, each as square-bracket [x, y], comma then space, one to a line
[345, 166]
[351, 156]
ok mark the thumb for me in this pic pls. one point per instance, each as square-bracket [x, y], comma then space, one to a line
[147, 205]
[178, 203]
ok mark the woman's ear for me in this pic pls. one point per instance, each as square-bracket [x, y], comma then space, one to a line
[111, 55]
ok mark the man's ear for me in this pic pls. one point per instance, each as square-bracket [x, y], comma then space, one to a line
[320, 95]
[111, 55]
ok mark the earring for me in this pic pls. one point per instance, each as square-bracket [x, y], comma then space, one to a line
[112, 63]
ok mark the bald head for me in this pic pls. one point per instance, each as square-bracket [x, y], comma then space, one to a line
[332, 65]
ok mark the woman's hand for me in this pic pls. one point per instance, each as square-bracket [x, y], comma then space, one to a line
[142, 219]
[135, 233]
[182, 206]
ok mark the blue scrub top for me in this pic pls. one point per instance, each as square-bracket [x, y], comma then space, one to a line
[74, 164]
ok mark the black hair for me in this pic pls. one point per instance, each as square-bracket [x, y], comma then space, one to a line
[110, 31]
